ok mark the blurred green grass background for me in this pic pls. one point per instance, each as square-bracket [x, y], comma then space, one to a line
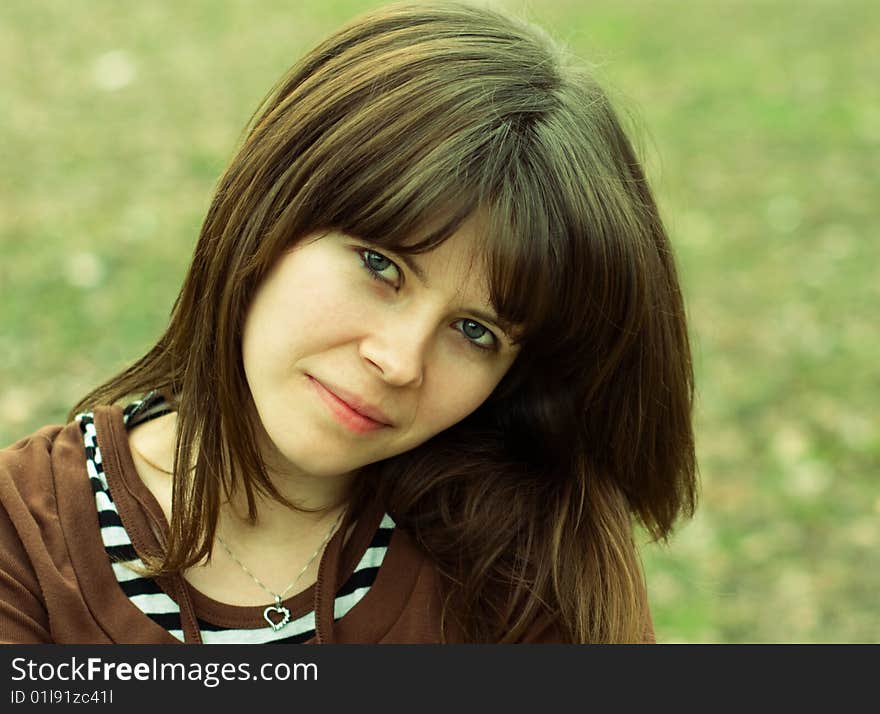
[760, 127]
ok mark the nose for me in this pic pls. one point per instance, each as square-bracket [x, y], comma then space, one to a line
[396, 350]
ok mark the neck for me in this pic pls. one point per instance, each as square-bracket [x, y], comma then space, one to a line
[320, 498]
[275, 521]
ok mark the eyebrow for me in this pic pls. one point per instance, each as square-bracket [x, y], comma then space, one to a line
[502, 325]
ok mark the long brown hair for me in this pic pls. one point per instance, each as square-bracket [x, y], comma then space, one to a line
[396, 129]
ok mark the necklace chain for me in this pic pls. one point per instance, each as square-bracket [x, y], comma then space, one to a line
[275, 615]
[278, 597]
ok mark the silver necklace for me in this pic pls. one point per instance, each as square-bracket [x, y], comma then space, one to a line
[278, 608]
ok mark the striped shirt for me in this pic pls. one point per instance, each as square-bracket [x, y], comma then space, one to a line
[146, 594]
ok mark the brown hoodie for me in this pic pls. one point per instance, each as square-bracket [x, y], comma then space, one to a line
[57, 584]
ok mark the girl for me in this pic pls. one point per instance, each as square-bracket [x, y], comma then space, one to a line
[427, 371]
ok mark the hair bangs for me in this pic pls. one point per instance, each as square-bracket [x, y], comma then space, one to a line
[532, 225]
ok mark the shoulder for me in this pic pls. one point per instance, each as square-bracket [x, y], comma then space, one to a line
[38, 475]
[33, 550]
[42, 438]
[422, 589]
[26, 466]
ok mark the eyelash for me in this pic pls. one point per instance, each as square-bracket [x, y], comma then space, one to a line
[363, 253]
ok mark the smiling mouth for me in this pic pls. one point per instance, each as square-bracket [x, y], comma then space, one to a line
[344, 413]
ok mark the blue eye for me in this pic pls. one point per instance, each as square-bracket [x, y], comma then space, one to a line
[477, 335]
[377, 265]
[385, 270]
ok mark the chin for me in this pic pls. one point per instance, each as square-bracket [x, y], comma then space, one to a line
[315, 466]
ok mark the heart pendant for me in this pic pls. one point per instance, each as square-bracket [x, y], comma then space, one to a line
[282, 611]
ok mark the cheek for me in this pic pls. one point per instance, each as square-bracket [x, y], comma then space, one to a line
[323, 303]
[455, 394]
[461, 384]
[294, 318]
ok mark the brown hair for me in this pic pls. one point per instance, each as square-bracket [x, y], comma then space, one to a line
[418, 116]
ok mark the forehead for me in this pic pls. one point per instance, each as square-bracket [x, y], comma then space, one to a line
[459, 262]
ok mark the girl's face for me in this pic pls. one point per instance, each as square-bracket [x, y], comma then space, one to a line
[354, 353]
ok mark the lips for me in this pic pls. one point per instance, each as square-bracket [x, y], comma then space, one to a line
[354, 403]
